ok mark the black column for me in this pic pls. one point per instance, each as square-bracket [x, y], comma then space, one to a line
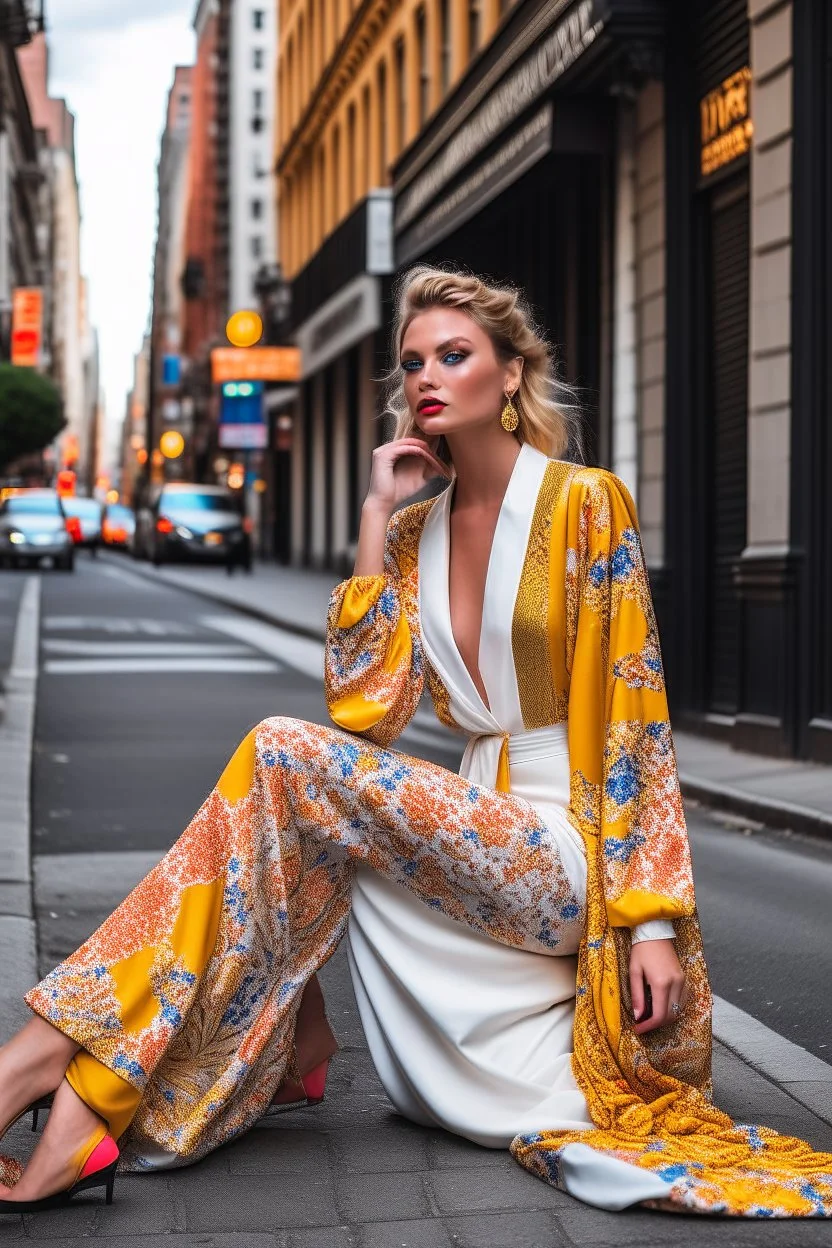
[811, 436]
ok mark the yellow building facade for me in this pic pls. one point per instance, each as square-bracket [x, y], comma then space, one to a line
[357, 83]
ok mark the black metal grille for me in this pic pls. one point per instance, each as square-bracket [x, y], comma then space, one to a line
[722, 45]
[729, 393]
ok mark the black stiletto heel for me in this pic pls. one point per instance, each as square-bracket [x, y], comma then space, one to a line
[43, 1102]
[99, 1170]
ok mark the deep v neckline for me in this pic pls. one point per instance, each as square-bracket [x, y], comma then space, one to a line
[485, 702]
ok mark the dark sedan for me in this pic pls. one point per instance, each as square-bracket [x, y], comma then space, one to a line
[33, 526]
[198, 522]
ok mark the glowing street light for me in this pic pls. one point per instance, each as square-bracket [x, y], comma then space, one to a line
[171, 444]
[244, 329]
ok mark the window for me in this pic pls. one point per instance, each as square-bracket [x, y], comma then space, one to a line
[424, 68]
[366, 121]
[337, 206]
[351, 154]
[383, 155]
[257, 124]
[258, 19]
[257, 209]
[258, 101]
[474, 26]
[444, 46]
[256, 246]
[401, 95]
[258, 58]
[257, 167]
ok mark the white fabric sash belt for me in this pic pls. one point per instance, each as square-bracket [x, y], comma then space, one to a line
[481, 760]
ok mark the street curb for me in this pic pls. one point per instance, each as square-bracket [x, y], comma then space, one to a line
[257, 613]
[771, 811]
[18, 934]
[806, 1078]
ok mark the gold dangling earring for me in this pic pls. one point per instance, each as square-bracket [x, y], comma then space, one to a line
[509, 419]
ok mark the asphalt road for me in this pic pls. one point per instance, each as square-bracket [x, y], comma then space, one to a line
[145, 691]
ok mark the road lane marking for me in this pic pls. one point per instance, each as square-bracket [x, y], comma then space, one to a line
[112, 624]
[129, 667]
[137, 649]
[300, 653]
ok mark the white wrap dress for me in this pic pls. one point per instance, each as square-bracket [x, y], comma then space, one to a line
[466, 1033]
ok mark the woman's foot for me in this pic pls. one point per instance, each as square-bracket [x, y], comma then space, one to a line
[32, 1064]
[73, 1130]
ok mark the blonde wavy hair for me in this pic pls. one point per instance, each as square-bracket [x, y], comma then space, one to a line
[547, 408]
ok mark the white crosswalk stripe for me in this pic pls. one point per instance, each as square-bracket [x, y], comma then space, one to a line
[159, 663]
[137, 649]
[114, 624]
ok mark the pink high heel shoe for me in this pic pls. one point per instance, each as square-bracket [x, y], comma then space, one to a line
[98, 1170]
[310, 1091]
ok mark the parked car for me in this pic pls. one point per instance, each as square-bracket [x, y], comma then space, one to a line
[118, 525]
[199, 522]
[32, 526]
[88, 512]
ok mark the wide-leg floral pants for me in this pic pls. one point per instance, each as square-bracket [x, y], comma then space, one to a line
[185, 1000]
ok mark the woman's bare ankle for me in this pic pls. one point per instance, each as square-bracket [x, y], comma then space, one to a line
[63, 1147]
[32, 1064]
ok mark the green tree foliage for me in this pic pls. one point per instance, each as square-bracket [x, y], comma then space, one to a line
[31, 412]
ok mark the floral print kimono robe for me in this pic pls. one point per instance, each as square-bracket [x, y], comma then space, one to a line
[185, 1000]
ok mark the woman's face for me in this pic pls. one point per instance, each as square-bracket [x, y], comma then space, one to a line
[453, 379]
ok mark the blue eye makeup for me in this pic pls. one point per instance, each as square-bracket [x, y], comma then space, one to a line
[451, 358]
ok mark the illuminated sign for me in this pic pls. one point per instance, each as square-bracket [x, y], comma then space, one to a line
[255, 364]
[241, 425]
[27, 326]
[726, 126]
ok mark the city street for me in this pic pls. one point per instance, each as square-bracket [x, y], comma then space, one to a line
[143, 692]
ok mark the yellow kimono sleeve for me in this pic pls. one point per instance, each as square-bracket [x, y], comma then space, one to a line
[372, 670]
[619, 724]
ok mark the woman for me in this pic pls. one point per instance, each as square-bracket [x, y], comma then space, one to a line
[543, 893]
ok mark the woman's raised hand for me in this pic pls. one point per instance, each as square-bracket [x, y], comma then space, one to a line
[400, 469]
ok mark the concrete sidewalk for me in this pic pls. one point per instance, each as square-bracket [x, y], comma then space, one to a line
[781, 793]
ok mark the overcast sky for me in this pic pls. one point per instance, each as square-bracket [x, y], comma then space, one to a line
[113, 62]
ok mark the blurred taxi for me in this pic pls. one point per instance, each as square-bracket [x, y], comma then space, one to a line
[118, 525]
[32, 526]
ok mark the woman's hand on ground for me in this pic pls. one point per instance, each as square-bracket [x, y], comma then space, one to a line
[654, 964]
[400, 469]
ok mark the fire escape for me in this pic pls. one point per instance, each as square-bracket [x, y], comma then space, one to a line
[20, 20]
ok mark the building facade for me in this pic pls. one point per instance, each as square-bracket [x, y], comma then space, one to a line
[252, 56]
[749, 527]
[65, 288]
[23, 207]
[656, 176]
[166, 409]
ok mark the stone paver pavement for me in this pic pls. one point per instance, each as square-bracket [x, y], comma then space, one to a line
[352, 1174]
